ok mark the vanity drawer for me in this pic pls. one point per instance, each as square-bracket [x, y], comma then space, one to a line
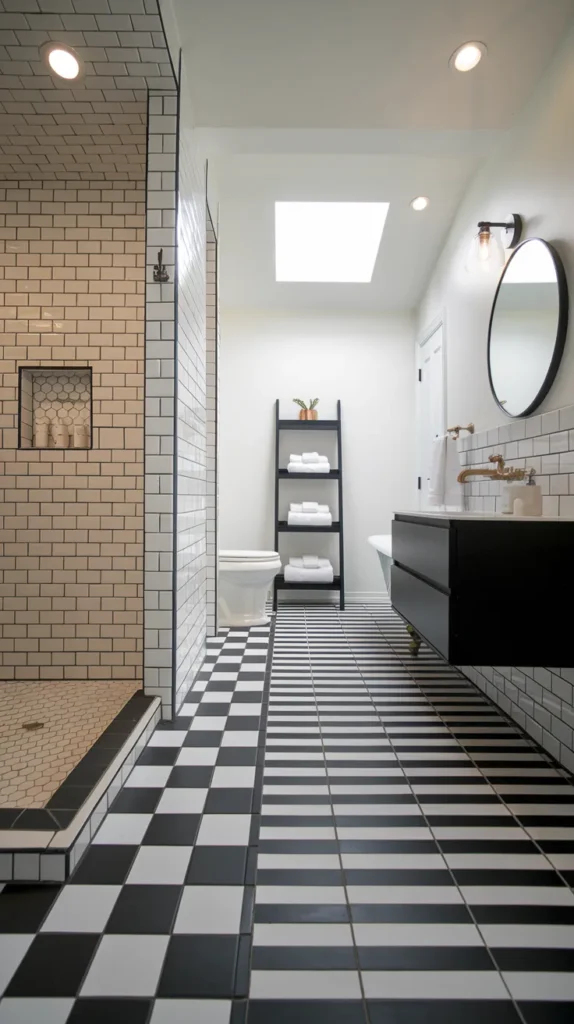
[424, 549]
[425, 607]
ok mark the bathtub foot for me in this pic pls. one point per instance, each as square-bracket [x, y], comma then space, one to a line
[416, 641]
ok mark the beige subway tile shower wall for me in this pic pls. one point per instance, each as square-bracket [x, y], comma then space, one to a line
[72, 271]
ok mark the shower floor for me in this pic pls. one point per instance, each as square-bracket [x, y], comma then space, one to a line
[66, 718]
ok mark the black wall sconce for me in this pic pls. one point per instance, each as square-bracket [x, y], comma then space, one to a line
[488, 248]
[160, 274]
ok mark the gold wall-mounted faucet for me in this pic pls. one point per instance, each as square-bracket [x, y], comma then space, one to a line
[501, 472]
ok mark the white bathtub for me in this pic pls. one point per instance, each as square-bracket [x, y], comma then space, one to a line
[383, 544]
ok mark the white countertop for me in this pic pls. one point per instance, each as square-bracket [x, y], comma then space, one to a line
[481, 516]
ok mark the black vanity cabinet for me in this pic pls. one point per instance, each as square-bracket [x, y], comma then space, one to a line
[487, 591]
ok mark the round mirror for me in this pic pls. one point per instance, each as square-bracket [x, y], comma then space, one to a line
[527, 327]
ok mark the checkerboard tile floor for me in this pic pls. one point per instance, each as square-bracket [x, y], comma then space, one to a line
[353, 835]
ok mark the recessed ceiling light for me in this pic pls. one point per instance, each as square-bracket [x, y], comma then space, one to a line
[62, 60]
[420, 203]
[327, 242]
[467, 56]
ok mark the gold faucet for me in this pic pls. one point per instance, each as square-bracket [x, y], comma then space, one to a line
[501, 472]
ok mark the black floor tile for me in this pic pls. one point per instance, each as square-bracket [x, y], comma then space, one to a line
[24, 907]
[159, 755]
[424, 958]
[487, 876]
[54, 965]
[302, 913]
[410, 913]
[145, 910]
[303, 876]
[217, 865]
[242, 723]
[105, 865]
[199, 966]
[383, 876]
[534, 959]
[8, 816]
[301, 1011]
[237, 755]
[547, 1013]
[203, 738]
[514, 914]
[214, 710]
[110, 1011]
[172, 830]
[136, 800]
[310, 958]
[221, 686]
[229, 801]
[190, 777]
[442, 1011]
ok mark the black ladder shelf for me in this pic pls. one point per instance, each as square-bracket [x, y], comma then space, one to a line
[336, 475]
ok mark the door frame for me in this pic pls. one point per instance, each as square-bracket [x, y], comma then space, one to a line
[424, 336]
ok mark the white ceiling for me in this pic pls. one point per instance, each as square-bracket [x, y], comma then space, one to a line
[364, 63]
[352, 100]
[249, 187]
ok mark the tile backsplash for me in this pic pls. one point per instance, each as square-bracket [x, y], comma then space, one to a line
[541, 700]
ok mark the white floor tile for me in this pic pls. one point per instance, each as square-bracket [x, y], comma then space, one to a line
[168, 737]
[433, 985]
[417, 935]
[150, 776]
[433, 894]
[160, 865]
[126, 965]
[190, 1011]
[13, 949]
[197, 756]
[297, 832]
[300, 894]
[124, 829]
[528, 936]
[208, 723]
[393, 861]
[224, 830]
[240, 738]
[498, 861]
[209, 910]
[326, 935]
[35, 1011]
[298, 861]
[182, 801]
[241, 709]
[518, 895]
[543, 986]
[233, 776]
[305, 984]
[82, 908]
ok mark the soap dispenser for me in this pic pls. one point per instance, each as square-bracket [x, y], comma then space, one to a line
[530, 501]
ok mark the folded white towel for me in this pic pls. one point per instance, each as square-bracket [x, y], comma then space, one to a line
[309, 519]
[310, 506]
[295, 507]
[310, 561]
[324, 508]
[310, 456]
[322, 458]
[308, 467]
[299, 562]
[295, 458]
[293, 574]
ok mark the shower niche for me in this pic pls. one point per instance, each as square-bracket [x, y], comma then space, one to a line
[55, 407]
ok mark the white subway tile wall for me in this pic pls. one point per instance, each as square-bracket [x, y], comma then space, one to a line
[71, 565]
[541, 700]
[191, 413]
[212, 381]
[160, 390]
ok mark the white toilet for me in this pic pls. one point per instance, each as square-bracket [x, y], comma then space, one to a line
[244, 581]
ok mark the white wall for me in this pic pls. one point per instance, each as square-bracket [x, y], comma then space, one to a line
[532, 176]
[368, 363]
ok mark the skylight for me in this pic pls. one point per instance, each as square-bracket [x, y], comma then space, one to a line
[327, 242]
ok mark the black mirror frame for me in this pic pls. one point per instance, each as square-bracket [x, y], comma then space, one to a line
[561, 329]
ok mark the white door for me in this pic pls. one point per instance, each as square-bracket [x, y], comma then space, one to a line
[431, 418]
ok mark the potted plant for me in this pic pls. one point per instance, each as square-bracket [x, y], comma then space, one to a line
[307, 412]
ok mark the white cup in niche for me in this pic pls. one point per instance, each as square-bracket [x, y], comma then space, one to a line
[61, 435]
[80, 435]
[42, 435]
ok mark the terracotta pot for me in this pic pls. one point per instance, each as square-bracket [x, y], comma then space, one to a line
[312, 414]
[303, 414]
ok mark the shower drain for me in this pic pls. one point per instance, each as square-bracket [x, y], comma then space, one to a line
[30, 726]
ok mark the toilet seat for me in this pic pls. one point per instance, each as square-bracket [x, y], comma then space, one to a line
[245, 560]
